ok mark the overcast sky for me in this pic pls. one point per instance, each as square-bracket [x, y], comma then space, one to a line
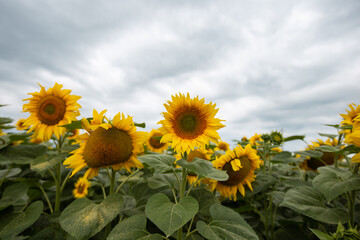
[268, 65]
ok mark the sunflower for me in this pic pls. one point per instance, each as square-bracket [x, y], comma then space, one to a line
[240, 165]
[255, 139]
[196, 153]
[351, 115]
[81, 188]
[223, 146]
[153, 142]
[328, 158]
[20, 124]
[108, 143]
[73, 134]
[189, 123]
[50, 109]
[354, 138]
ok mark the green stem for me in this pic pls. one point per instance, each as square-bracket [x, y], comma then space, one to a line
[64, 183]
[112, 181]
[46, 198]
[128, 177]
[351, 198]
[58, 187]
[336, 160]
[182, 193]
[174, 195]
[188, 232]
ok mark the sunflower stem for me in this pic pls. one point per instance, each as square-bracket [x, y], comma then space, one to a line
[46, 198]
[112, 181]
[351, 199]
[58, 187]
[128, 177]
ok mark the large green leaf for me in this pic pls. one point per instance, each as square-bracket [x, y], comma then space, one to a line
[22, 154]
[328, 148]
[321, 235]
[83, 219]
[168, 216]
[159, 162]
[22, 221]
[14, 194]
[42, 164]
[4, 141]
[132, 228]
[8, 173]
[226, 224]
[162, 180]
[295, 137]
[205, 200]
[309, 202]
[204, 169]
[329, 184]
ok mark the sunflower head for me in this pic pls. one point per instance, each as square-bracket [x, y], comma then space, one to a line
[189, 123]
[312, 164]
[153, 142]
[50, 109]
[81, 188]
[108, 143]
[277, 137]
[254, 140]
[240, 165]
[351, 115]
[223, 146]
[20, 124]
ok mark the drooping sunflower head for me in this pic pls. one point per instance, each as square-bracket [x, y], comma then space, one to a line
[81, 188]
[113, 143]
[277, 137]
[223, 146]
[20, 124]
[240, 165]
[153, 142]
[312, 164]
[189, 123]
[50, 109]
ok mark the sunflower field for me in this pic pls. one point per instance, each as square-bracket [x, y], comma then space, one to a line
[68, 176]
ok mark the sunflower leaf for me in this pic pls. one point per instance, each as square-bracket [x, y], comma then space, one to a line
[226, 224]
[310, 153]
[295, 137]
[22, 154]
[22, 221]
[329, 184]
[132, 228]
[159, 162]
[42, 163]
[168, 216]
[14, 194]
[83, 219]
[321, 235]
[309, 202]
[204, 169]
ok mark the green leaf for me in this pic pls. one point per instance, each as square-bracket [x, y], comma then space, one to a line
[204, 169]
[261, 183]
[168, 216]
[158, 162]
[4, 141]
[18, 137]
[321, 235]
[8, 173]
[42, 164]
[74, 125]
[14, 194]
[5, 120]
[283, 157]
[309, 202]
[276, 196]
[295, 137]
[340, 172]
[23, 154]
[205, 199]
[83, 219]
[141, 125]
[329, 184]
[328, 148]
[310, 153]
[226, 224]
[132, 228]
[22, 221]
[162, 180]
[49, 233]
[328, 135]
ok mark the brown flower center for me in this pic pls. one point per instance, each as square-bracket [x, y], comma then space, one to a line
[236, 177]
[51, 110]
[155, 142]
[107, 147]
[81, 188]
[189, 124]
[327, 157]
[223, 146]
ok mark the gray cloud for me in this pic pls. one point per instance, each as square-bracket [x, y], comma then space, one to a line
[283, 65]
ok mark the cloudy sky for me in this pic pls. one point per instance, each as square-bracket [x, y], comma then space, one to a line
[268, 65]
